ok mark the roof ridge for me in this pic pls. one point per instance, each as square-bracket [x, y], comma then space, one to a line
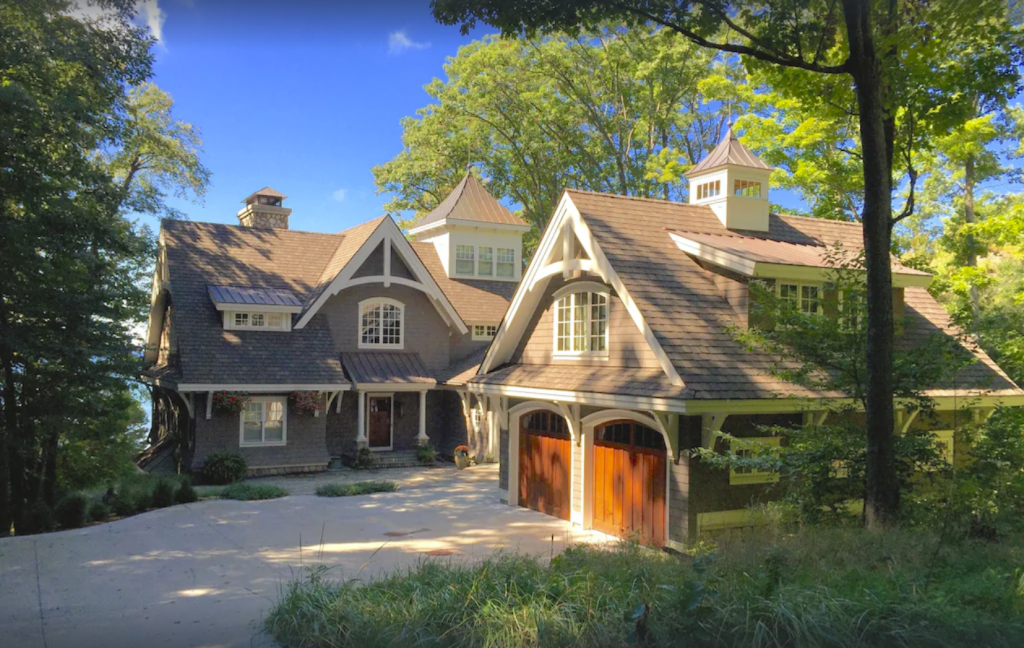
[244, 228]
[636, 198]
[820, 220]
[740, 235]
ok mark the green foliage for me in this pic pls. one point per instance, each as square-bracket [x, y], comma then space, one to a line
[135, 493]
[40, 519]
[225, 468]
[99, 512]
[163, 494]
[364, 459]
[186, 494]
[71, 511]
[426, 454]
[246, 491]
[357, 488]
[848, 589]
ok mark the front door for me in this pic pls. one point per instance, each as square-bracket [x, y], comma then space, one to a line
[379, 433]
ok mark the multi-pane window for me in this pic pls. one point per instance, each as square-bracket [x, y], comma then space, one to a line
[485, 267]
[803, 297]
[748, 474]
[709, 189]
[506, 262]
[484, 331]
[264, 321]
[581, 323]
[380, 324]
[465, 259]
[264, 422]
[747, 188]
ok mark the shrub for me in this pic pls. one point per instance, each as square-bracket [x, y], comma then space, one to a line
[186, 494]
[163, 494]
[99, 512]
[39, 518]
[358, 488]
[71, 511]
[489, 458]
[247, 492]
[426, 454]
[225, 468]
[364, 459]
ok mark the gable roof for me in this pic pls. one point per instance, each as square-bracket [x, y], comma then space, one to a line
[689, 316]
[352, 240]
[470, 201]
[729, 151]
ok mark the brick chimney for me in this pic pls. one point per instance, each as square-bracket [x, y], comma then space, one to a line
[264, 209]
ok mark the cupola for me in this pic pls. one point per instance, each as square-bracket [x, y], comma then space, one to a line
[733, 182]
[265, 209]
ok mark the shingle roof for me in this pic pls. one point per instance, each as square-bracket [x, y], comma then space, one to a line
[386, 367]
[475, 300]
[350, 241]
[689, 316]
[204, 254]
[252, 295]
[729, 151]
[469, 201]
[460, 371]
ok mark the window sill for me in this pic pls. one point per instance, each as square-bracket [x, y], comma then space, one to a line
[568, 355]
[383, 347]
[274, 444]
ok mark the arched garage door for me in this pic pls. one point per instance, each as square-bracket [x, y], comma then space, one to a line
[544, 459]
[629, 481]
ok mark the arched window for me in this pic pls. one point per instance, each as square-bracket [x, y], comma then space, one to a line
[381, 321]
[581, 320]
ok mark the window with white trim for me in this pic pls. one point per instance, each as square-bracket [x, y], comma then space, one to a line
[258, 321]
[746, 188]
[581, 324]
[264, 422]
[803, 297]
[709, 189]
[381, 321]
[485, 266]
[465, 260]
[506, 262]
[484, 331]
[747, 474]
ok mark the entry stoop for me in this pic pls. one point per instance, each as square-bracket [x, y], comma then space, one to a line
[397, 459]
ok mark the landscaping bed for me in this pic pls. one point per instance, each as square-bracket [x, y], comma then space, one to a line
[819, 588]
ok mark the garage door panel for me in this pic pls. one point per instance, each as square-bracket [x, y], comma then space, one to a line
[629, 483]
[544, 460]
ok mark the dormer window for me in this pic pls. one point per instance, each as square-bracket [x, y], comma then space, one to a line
[465, 260]
[381, 321]
[256, 321]
[484, 331]
[485, 267]
[506, 262]
[709, 189]
[581, 323]
[746, 188]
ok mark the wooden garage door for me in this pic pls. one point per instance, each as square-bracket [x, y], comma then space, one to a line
[629, 481]
[544, 459]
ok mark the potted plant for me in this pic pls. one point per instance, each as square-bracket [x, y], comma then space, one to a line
[225, 401]
[306, 402]
[462, 457]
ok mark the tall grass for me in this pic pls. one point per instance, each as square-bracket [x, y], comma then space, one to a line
[844, 589]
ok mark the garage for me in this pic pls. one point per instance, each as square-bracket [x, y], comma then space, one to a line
[629, 481]
[545, 452]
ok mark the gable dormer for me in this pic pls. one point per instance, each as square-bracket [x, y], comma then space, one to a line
[733, 182]
[476, 237]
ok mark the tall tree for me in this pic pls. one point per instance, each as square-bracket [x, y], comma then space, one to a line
[891, 50]
[607, 110]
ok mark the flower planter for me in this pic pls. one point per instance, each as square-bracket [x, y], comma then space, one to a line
[461, 461]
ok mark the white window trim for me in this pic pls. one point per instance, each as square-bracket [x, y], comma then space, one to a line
[497, 255]
[800, 285]
[401, 324]
[391, 422]
[573, 289]
[759, 476]
[242, 443]
[476, 256]
[479, 260]
[484, 337]
[229, 321]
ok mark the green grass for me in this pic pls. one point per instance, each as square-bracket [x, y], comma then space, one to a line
[357, 488]
[844, 589]
[247, 492]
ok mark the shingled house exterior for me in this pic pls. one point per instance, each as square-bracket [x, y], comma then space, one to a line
[615, 359]
[372, 328]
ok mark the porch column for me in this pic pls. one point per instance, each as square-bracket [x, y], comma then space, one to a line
[361, 441]
[422, 438]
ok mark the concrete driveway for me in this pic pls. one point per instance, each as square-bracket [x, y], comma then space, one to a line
[204, 574]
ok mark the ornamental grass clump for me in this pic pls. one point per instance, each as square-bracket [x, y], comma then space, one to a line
[357, 488]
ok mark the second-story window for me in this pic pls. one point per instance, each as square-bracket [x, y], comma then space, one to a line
[485, 266]
[506, 262]
[256, 321]
[381, 321]
[484, 331]
[747, 188]
[465, 260]
[709, 189]
[804, 297]
[581, 324]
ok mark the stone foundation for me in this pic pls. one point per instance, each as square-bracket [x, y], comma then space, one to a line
[269, 471]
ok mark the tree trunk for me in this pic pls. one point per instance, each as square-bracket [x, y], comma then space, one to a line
[8, 437]
[881, 488]
[969, 243]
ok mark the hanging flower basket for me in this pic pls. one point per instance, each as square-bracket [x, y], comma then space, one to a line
[461, 457]
[225, 401]
[306, 402]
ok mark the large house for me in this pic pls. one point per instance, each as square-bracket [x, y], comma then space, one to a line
[614, 361]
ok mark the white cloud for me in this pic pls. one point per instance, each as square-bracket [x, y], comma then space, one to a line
[146, 11]
[154, 16]
[398, 42]
[340, 194]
